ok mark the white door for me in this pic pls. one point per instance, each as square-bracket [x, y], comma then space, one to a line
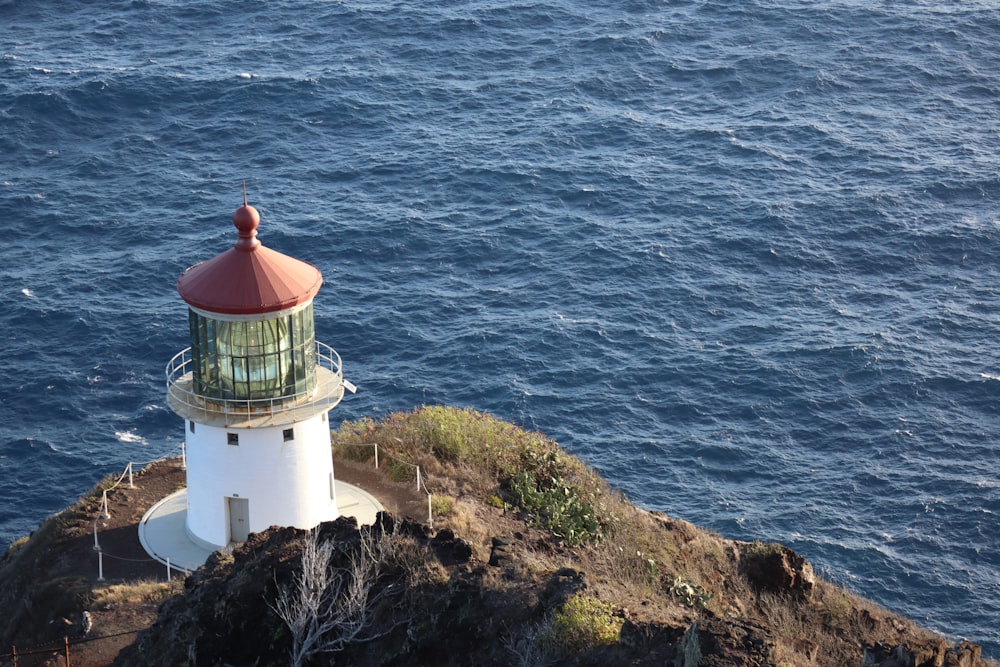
[239, 519]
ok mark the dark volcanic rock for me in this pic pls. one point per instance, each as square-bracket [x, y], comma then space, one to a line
[501, 554]
[450, 549]
[777, 568]
[734, 643]
[565, 583]
[653, 643]
[927, 654]
[224, 616]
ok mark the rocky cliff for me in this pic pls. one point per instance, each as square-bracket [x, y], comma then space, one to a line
[529, 559]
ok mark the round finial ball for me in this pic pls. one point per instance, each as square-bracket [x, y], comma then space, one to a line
[246, 218]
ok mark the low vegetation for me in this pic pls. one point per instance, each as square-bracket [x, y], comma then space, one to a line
[499, 463]
[640, 565]
[135, 592]
[530, 559]
[584, 622]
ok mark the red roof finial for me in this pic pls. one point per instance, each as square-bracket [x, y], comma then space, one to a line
[249, 278]
[246, 219]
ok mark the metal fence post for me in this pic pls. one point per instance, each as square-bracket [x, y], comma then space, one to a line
[130, 484]
[376, 455]
[104, 505]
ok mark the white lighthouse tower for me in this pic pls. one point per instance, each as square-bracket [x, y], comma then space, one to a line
[254, 390]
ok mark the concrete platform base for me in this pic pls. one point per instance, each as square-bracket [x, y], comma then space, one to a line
[163, 529]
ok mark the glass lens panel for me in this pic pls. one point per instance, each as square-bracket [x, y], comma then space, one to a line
[253, 360]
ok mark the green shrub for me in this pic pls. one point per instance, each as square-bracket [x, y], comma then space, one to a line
[442, 505]
[361, 453]
[557, 505]
[585, 622]
[401, 472]
[689, 593]
[445, 432]
[763, 549]
[557, 489]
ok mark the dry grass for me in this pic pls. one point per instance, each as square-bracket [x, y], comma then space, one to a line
[467, 521]
[629, 570]
[414, 558]
[16, 546]
[136, 592]
[836, 603]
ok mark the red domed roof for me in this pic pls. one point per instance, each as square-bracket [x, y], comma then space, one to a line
[248, 278]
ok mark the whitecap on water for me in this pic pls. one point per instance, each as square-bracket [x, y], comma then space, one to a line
[130, 436]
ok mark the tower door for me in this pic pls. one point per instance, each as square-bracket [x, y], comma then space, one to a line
[239, 519]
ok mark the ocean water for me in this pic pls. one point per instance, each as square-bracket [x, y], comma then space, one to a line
[741, 257]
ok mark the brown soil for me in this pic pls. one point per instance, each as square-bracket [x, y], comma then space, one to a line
[399, 499]
[125, 560]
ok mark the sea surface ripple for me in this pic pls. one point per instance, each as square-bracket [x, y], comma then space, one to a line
[742, 258]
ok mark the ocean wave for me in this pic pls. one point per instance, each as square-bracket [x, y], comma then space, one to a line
[131, 437]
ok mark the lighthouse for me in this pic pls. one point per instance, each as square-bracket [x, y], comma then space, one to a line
[254, 389]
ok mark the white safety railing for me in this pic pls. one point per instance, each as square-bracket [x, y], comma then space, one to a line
[420, 477]
[380, 457]
[105, 514]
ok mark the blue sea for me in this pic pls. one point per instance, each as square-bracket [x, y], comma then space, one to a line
[741, 257]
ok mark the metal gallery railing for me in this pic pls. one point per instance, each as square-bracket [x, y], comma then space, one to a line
[328, 390]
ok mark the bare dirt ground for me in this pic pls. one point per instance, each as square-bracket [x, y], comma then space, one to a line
[126, 562]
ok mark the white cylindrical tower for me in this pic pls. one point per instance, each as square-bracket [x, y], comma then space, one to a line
[254, 389]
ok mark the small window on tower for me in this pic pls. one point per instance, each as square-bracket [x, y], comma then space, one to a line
[288, 434]
[191, 426]
[233, 438]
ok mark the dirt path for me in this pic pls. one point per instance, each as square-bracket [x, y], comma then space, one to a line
[125, 561]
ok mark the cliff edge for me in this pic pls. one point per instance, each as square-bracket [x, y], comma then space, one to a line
[528, 558]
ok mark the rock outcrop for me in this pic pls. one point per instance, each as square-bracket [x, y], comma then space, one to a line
[447, 608]
[924, 654]
[777, 568]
